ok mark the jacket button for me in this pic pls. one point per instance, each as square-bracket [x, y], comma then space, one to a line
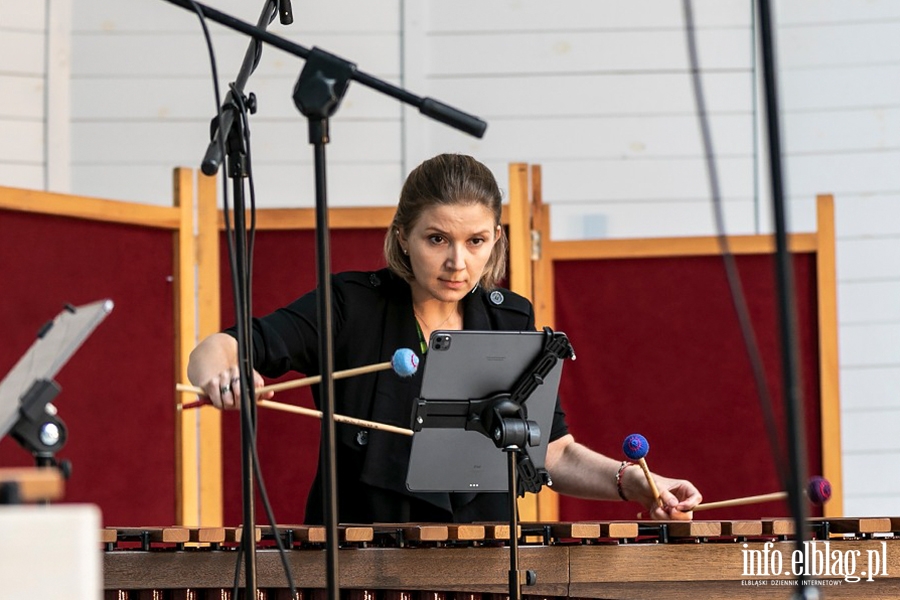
[374, 280]
[497, 297]
[362, 437]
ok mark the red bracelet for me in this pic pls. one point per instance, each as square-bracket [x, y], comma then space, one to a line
[625, 464]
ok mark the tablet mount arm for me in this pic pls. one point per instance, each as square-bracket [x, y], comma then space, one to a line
[504, 417]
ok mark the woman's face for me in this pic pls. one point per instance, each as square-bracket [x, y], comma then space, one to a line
[448, 248]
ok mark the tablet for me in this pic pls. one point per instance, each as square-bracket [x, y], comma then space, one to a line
[56, 342]
[465, 365]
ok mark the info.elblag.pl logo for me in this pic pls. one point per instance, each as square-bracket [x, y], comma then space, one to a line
[817, 559]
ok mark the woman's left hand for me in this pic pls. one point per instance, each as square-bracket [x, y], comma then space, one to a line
[678, 496]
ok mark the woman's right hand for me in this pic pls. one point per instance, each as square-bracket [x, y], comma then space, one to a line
[224, 388]
[213, 366]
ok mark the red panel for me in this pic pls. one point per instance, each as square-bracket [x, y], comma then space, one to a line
[118, 390]
[659, 352]
[284, 269]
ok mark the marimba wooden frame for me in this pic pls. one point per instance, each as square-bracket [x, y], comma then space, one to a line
[618, 559]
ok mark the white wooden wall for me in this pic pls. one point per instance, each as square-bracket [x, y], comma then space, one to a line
[141, 80]
[840, 63]
[596, 91]
[34, 94]
[22, 81]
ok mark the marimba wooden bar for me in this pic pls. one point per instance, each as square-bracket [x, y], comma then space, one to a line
[698, 559]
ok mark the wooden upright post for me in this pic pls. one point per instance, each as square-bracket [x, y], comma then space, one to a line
[186, 441]
[829, 367]
[524, 190]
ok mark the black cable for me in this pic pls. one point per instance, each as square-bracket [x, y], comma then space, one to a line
[236, 585]
[738, 297]
[795, 437]
[228, 233]
[242, 317]
[264, 495]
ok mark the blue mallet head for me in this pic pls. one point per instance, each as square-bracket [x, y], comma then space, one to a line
[819, 490]
[405, 362]
[636, 446]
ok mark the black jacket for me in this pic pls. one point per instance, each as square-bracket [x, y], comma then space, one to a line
[373, 317]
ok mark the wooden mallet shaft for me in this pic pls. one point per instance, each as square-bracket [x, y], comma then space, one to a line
[299, 410]
[309, 412]
[735, 502]
[814, 491]
[742, 501]
[650, 481]
[294, 383]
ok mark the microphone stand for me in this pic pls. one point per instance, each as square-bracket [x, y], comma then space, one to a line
[796, 439]
[318, 94]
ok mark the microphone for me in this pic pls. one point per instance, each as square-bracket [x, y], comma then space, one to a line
[285, 12]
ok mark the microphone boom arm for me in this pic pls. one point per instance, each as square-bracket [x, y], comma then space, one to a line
[427, 106]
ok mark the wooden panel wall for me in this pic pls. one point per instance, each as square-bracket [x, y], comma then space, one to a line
[645, 313]
[117, 391]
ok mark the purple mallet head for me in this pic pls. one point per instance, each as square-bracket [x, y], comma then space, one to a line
[636, 446]
[819, 490]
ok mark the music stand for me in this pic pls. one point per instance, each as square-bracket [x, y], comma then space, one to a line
[481, 390]
[27, 390]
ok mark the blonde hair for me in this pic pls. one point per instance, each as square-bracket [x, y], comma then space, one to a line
[446, 179]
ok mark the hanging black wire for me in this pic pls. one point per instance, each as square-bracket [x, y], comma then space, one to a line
[242, 317]
[738, 297]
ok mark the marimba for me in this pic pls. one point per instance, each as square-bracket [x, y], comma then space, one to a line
[697, 559]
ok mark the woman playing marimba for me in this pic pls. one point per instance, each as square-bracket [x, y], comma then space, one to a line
[445, 253]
